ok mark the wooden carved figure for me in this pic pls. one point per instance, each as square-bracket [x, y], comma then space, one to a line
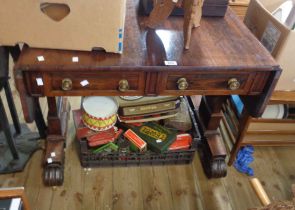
[192, 18]
[192, 15]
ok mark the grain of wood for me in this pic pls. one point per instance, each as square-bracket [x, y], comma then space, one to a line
[90, 189]
[34, 181]
[240, 192]
[6, 180]
[22, 177]
[127, 189]
[226, 137]
[283, 97]
[286, 156]
[98, 189]
[156, 190]
[44, 198]
[277, 186]
[61, 195]
[184, 193]
[70, 196]
[212, 192]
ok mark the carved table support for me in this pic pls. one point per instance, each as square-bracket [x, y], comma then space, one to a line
[212, 150]
[58, 114]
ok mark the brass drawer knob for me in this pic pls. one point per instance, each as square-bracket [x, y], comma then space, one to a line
[66, 84]
[182, 84]
[123, 85]
[233, 84]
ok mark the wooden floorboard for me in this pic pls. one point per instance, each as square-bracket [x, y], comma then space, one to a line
[274, 173]
[34, 183]
[156, 188]
[240, 194]
[212, 192]
[127, 188]
[101, 182]
[184, 193]
[39, 195]
[287, 154]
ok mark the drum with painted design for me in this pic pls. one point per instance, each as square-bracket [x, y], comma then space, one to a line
[99, 112]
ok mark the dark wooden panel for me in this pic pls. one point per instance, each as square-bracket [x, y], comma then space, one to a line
[32, 85]
[151, 83]
[256, 105]
[259, 82]
[99, 83]
[209, 83]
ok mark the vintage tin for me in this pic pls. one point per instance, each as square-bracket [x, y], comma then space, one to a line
[124, 145]
[101, 137]
[157, 137]
[81, 130]
[135, 140]
[99, 112]
[110, 147]
[183, 141]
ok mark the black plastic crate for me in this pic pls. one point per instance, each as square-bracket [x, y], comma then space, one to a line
[88, 159]
[120, 159]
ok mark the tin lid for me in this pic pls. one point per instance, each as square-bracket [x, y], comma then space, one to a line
[100, 106]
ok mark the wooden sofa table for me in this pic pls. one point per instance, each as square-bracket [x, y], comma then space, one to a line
[224, 59]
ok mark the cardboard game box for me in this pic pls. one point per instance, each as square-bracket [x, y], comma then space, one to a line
[157, 137]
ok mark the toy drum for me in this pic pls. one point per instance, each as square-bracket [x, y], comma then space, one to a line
[99, 112]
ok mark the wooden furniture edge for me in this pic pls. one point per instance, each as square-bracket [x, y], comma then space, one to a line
[282, 97]
[15, 192]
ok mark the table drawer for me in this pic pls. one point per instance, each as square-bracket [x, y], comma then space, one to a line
[92, 83]
[212, 83]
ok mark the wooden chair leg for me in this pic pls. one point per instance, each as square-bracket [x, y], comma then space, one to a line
[243, 127]
[12, 108]
[4, 74]
[15, 52]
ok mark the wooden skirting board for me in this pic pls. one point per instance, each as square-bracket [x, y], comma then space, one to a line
[283, 97]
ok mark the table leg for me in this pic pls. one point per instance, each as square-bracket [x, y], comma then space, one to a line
[39, 119]
[212, 150]
[55, 142]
